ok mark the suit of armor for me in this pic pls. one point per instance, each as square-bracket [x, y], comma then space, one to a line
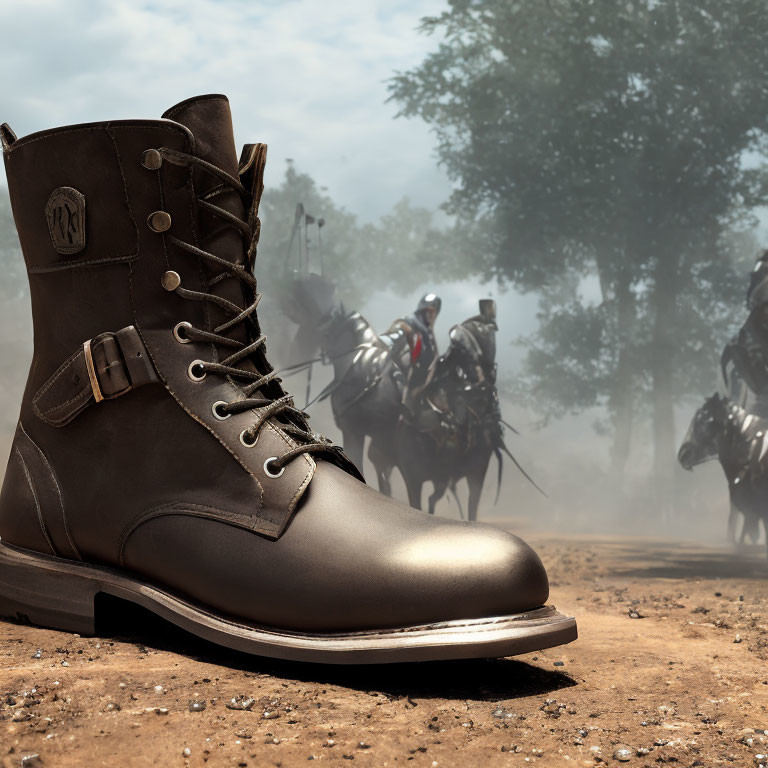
[745, 357]
[472, 355]
[473, 345]
[413, 346]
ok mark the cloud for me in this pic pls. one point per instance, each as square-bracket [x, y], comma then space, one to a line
[307, 77]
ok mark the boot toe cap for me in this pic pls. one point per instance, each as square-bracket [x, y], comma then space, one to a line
[473, 571]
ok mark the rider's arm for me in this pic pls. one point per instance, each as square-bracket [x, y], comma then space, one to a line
[399, 339]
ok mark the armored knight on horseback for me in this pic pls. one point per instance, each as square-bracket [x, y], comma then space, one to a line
[413, 347]
[473, 345]
[732, 428]
[469, 368]
[745, 357]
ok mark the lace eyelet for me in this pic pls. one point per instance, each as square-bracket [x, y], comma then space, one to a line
[247, 441]
[179, 332]
[215, 410]
[201, 374]
[267, 470]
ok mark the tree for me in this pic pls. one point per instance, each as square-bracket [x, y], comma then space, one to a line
[396, 252]
[604, 139]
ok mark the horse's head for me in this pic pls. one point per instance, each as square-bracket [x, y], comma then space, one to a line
[342, 332]
[701, 441]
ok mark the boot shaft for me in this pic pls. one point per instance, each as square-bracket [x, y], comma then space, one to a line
[110, 229]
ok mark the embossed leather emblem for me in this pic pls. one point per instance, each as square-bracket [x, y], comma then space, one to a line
[65, 212]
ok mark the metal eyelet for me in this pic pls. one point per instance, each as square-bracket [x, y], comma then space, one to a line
[215, 410]
[267, 470]
[159, 221]
[191, 370]
[248, 442]
[151, 159]
[177, 332]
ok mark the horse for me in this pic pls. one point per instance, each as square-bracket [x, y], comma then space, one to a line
[739, 440]
[454, 437]
[364, 392]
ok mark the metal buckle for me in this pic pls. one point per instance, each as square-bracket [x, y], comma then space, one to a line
[98, 396]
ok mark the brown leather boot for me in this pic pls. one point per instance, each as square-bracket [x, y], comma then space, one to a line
[158, 459]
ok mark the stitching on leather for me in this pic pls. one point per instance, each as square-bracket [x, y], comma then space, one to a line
[58, 491]
[184, 106]
[86, 128]
[304, 483]
[149, 350]
[36, 500]
[57, 373]
[83, 393]
[79, 264]
[182, 509]
[45, 415]
[111, 133]
[25, 142]
[63, 420]
[109, 129]
[169, 389]
[60, 422]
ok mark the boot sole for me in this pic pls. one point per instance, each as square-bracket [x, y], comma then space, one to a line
[60, 594]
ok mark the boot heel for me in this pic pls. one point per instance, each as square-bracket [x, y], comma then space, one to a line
[45, 591]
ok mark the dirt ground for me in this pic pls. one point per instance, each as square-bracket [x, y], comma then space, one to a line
[671, 667]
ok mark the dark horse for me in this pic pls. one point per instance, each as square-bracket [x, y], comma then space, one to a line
[456, 434]
[723, 430]
[465, 427]
[365, 394]
[450, 449]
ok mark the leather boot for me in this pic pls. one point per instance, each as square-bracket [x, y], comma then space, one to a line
[157, 457]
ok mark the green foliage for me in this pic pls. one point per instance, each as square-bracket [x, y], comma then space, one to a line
[397, 252]
[605, 139]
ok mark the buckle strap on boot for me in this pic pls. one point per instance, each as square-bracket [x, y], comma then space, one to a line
[105, 367]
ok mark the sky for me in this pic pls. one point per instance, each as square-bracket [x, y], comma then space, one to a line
[307, 77]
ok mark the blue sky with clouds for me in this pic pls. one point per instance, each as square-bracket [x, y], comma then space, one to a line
[306, 76]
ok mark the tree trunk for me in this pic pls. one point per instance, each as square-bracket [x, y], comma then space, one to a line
[666, 279]
[616, 288]
[622, 397]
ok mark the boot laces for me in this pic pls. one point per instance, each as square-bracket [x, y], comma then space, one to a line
[253, 384]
